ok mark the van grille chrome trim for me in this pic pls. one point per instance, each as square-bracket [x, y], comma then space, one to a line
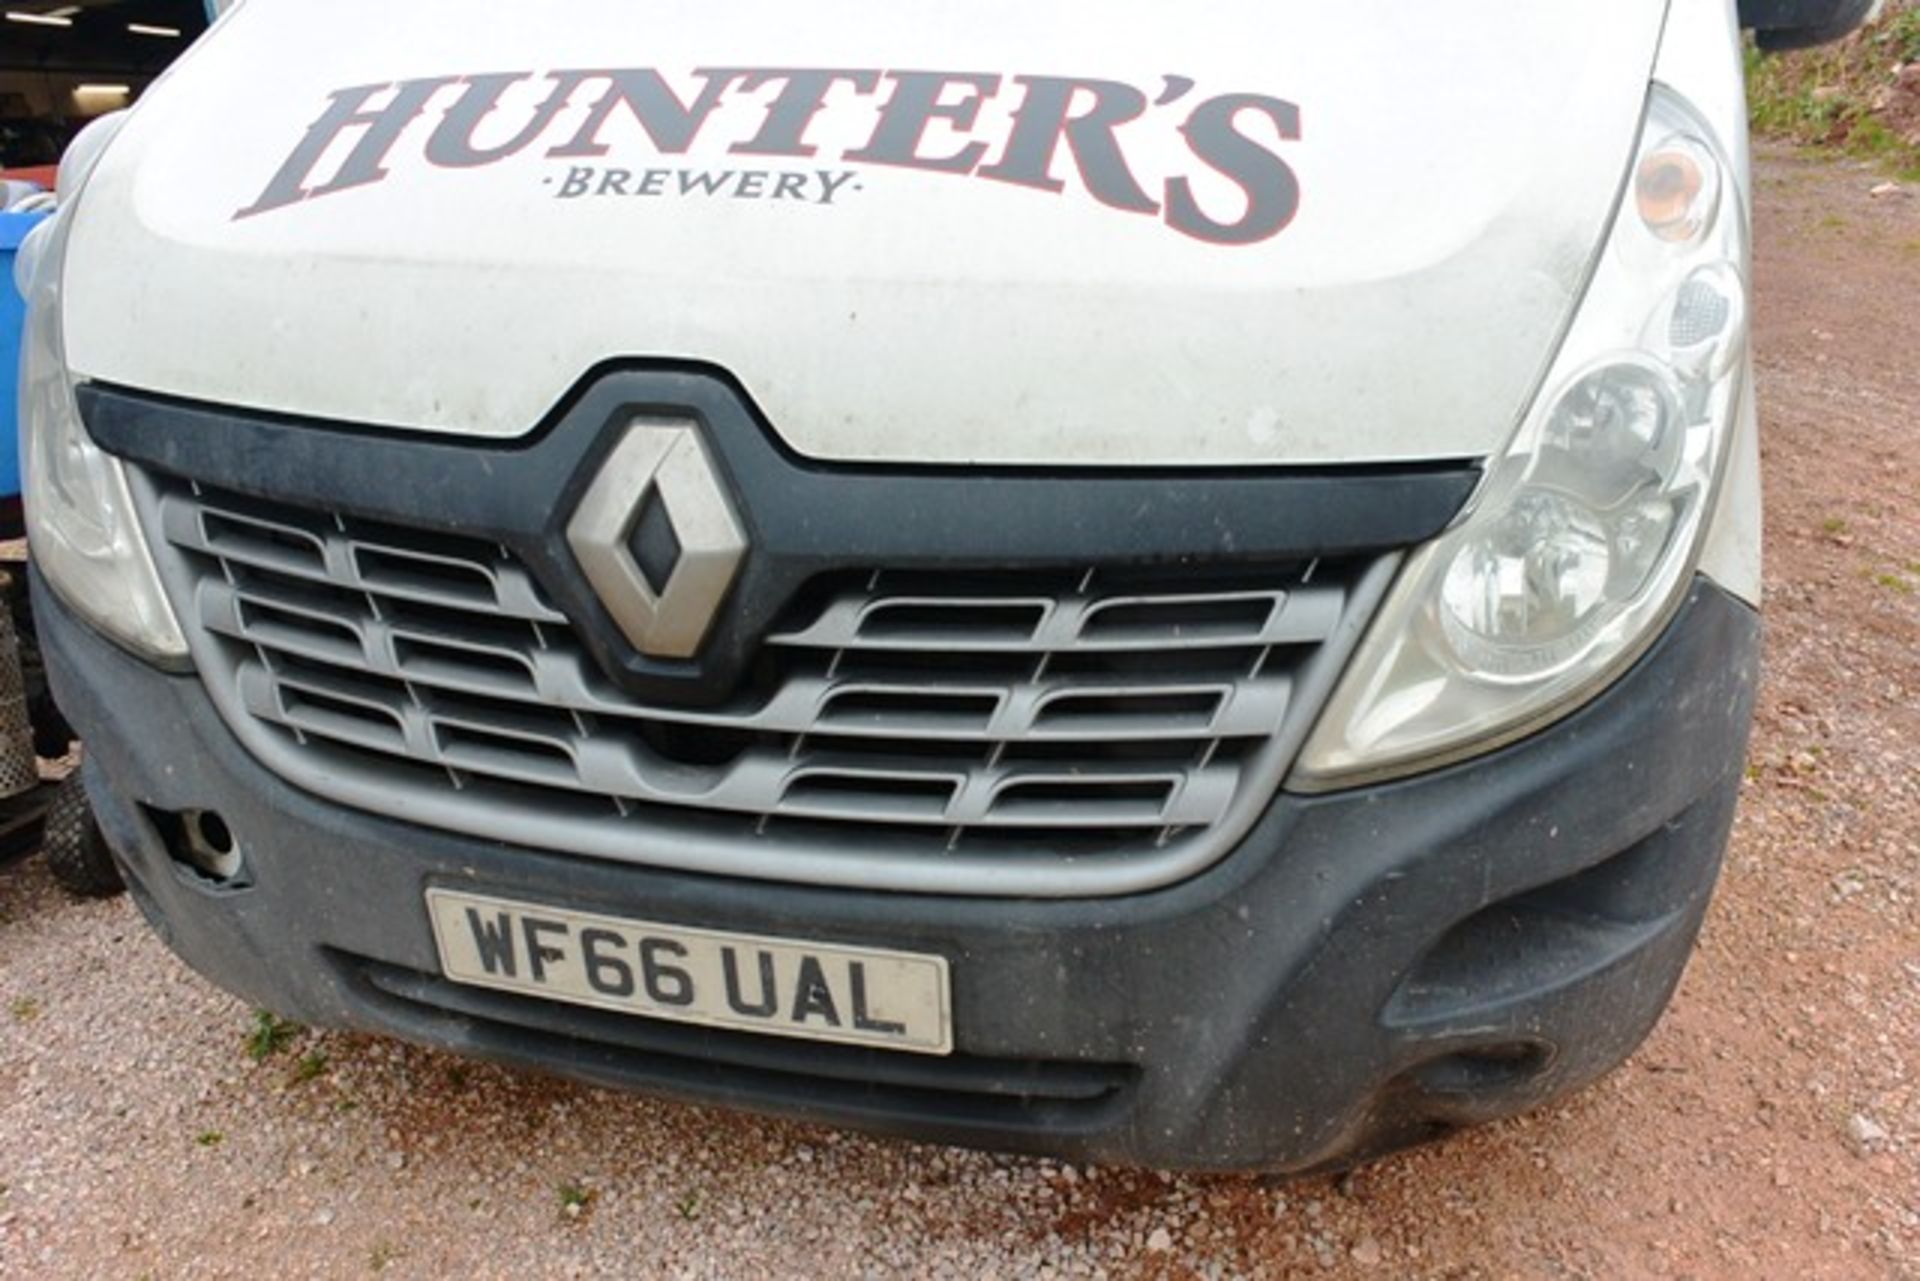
[1032, 733]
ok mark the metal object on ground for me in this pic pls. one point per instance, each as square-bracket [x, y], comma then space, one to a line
[19, 771]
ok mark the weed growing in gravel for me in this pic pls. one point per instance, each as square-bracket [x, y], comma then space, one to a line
[209, 1138]
[270, 1035]
[576, 1199]
[688, 1206]
[25, 1009]
[380, 1256]
[310, 1066]
[1894, 583]
[1835, 525]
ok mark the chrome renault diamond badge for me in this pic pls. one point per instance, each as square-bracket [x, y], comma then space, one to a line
[658, 538]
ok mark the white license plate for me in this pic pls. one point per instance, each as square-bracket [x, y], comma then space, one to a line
[780, 986]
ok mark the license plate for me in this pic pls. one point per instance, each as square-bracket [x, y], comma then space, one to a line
[780, 986]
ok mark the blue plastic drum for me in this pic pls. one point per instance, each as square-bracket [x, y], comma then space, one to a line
[13, 229]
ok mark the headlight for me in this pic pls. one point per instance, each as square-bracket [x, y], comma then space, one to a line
[81, 529]
[1585, 530]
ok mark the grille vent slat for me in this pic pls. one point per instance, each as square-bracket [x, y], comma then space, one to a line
[1305, 615]
[987, 712]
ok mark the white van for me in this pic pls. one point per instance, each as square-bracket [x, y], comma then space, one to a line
[1149, 585]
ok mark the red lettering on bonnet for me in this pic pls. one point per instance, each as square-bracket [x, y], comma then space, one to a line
[1097, 120]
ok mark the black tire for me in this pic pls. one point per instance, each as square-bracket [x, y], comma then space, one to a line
[76, 851]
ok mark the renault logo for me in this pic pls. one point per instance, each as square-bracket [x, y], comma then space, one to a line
[657, 537]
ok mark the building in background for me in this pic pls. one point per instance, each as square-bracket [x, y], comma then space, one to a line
[61, 64]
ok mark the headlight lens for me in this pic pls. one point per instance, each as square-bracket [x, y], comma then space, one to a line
[1586, 528]
[81, 529]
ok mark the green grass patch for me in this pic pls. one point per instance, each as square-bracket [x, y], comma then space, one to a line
[1898, 36]
[1833, 96]
[269, 1035]
[576, 1201]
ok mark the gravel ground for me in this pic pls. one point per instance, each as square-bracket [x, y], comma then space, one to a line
[1770, 1127]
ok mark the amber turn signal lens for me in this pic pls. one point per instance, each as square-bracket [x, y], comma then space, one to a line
[1676, 190]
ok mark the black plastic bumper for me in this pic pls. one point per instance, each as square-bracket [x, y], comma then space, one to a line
[1370, 967]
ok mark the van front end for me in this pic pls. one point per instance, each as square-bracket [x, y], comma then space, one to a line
[1228, 644]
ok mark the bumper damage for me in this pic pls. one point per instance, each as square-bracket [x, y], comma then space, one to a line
[1369, 968]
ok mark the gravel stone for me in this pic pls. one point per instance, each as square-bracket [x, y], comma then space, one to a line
[1867, 1134]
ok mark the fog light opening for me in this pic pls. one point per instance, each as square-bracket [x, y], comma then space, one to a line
[211, 847]
[202, 847]
[1482, 1068]
[202, 844]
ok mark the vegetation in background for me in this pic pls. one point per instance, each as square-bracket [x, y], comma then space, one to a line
[1861, 95]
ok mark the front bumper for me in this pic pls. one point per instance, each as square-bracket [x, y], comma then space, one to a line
[1370, 967]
